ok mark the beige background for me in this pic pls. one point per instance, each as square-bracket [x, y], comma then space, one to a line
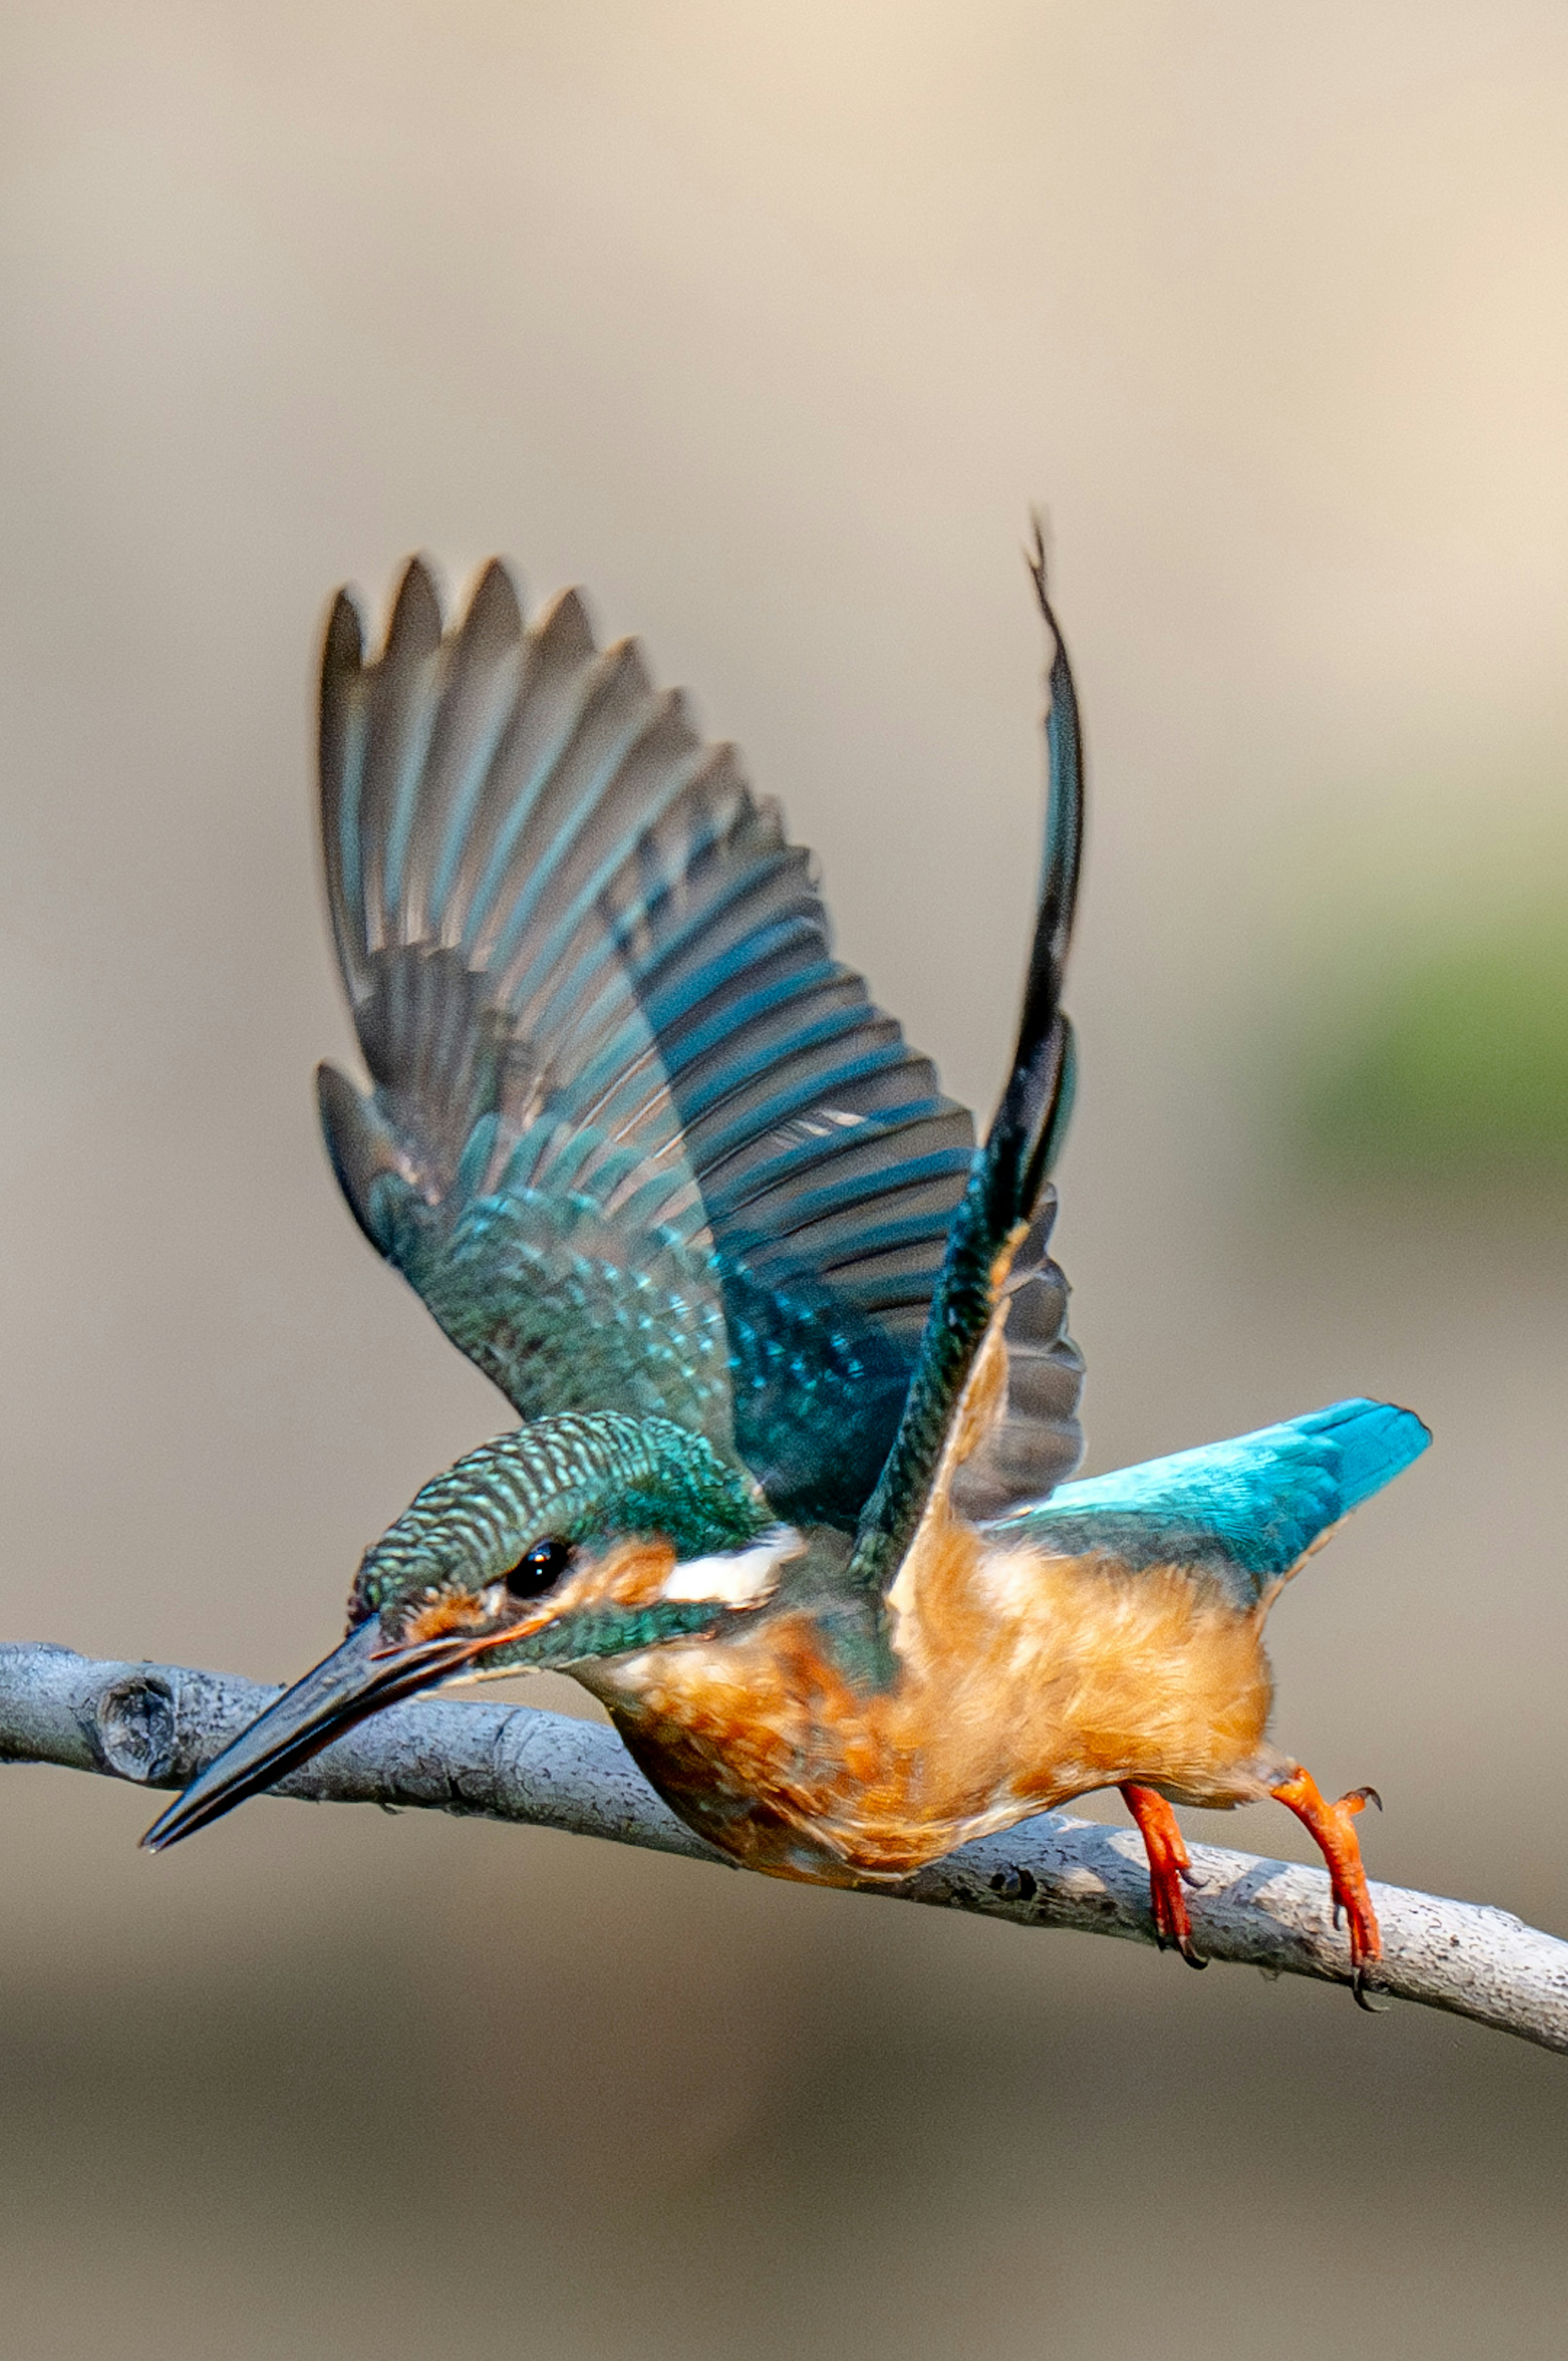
[768, 323]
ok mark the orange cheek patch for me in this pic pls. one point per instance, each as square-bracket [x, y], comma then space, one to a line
[458, 1611]
[633, 1573]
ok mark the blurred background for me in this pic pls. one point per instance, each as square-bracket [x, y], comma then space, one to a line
[767, 324]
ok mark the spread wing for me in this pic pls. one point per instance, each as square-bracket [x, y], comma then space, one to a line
[959, 1429]
[635, 1135]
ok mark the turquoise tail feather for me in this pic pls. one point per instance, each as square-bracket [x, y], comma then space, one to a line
[1252, 1507]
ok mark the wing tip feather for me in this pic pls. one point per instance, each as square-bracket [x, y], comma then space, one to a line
[493, 609]
[342, 642]
[564, 626]
[415, 625]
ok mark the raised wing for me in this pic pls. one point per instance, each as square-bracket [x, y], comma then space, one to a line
[996, 1242]
[1251, 1508]
[637, 1139]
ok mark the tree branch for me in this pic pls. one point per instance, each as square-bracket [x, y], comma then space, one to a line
[158, 1725]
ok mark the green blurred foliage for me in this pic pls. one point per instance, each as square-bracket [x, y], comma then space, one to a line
[1451, 1061]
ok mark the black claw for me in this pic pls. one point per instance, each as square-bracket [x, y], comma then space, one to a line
[1166, 1941]
[1361, 1994]
[1190, 1876]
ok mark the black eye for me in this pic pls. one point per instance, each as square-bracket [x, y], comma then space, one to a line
[540, 1571]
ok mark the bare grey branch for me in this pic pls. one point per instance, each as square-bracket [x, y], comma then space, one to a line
[158, 1725]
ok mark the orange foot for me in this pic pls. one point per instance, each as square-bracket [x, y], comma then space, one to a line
[1332, 1827]
[1169, 1867]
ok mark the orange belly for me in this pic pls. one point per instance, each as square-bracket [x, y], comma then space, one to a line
[1021, 1680]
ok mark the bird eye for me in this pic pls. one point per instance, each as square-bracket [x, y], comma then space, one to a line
[540, 1571]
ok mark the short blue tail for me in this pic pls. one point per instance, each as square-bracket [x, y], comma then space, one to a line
[1253, 1506]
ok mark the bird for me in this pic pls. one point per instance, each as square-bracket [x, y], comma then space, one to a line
[792, 1491]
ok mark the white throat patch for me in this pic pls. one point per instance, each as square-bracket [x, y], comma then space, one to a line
[736, 1578]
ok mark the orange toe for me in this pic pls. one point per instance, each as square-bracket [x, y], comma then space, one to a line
[1333, 1828]
[1169, 1866]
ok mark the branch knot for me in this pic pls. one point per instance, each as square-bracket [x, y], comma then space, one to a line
[135, 1725]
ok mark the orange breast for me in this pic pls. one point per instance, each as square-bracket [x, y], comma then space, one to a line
[1023, 1680]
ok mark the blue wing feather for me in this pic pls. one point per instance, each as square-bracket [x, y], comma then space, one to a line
[1252, 1507]
[635, 1135]
[998, 1232]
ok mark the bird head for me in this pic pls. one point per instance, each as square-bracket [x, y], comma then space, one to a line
[576, 1538]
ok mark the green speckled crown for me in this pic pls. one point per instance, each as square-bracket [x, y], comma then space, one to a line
[580, 1478]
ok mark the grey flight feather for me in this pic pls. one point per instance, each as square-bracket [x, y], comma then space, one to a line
[635, 1135]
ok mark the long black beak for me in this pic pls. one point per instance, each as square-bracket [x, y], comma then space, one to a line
[356, 1680]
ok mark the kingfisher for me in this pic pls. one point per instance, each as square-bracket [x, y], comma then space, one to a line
[792, 1494]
